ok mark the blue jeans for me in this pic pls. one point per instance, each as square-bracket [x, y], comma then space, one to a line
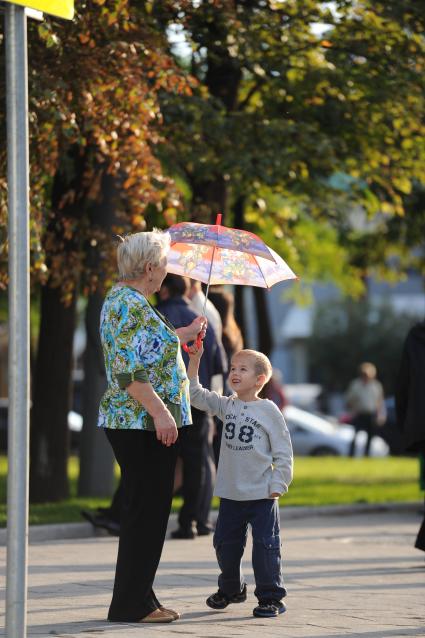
[230, 540]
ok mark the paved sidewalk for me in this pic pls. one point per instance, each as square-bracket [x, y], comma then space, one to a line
[347, 575]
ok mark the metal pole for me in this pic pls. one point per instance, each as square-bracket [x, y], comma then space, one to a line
[18, 417]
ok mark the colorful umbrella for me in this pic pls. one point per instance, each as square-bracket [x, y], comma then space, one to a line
[216, 254]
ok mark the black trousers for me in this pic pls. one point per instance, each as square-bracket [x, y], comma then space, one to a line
[147, 479]
[363, 423]
[208, 478]
[420, 539]
[196, 488]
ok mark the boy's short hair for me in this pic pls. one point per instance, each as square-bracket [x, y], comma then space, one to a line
[262, 364]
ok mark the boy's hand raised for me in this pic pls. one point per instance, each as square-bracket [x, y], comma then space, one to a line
[194, 351]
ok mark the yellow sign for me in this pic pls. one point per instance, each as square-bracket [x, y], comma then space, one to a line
[60, 8]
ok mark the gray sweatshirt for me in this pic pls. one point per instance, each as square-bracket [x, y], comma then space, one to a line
[256, 451]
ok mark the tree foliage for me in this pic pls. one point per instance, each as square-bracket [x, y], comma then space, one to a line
[290, 95]
[300, 119]
[271, 101]
[94, 124]
[93, 109]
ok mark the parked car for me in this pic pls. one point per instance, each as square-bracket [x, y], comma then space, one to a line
[313, 435]
[75, 424]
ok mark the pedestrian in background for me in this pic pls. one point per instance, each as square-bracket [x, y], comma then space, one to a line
[224, 302]
[365, 400]
[410, 404]
[232, 340]
[198, 477]
[201, 305]
[107, 518]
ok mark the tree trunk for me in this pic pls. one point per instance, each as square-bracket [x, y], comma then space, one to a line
[49, 442]
[239, 290]
[209, 198]
[223, 78]
[49, 445]
[264, 329]
[96, 456]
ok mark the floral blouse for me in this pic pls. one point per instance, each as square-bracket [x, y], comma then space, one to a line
[135, 338]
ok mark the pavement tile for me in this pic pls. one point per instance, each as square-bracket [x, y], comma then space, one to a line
[354, 575]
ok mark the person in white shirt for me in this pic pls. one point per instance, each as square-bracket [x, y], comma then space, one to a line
[197, 303]
[365, 399]
[200, 304]
[254, 469]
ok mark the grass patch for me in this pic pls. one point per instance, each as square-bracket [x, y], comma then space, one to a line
[318, 481]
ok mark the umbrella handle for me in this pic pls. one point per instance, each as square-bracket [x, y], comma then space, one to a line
[198, 342]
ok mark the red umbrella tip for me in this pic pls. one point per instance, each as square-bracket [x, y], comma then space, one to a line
[218, 219]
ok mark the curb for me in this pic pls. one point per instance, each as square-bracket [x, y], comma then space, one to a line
[294, 512]
[60, 531]
[64, 531]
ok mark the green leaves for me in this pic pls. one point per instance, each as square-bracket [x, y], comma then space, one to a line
[93, 85]
[263, 100]
[293, 94]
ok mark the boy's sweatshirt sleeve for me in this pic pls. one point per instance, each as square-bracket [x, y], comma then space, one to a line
[282, 455]
[205, 400]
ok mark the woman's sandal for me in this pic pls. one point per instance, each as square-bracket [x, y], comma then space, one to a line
[159, 615]
[175, 614]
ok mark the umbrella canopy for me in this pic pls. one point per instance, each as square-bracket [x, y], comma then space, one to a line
[216, 254]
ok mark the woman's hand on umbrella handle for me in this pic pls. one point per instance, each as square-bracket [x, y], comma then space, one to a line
[199, 327]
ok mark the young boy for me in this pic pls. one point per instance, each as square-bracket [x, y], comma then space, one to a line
[254, 469]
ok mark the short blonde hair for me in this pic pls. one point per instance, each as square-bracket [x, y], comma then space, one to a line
[368, 369]
[137, 250]
[262, 364]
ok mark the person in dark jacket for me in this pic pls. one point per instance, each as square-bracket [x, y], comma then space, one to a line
[232, 340]
[197, 487]
[410, 402]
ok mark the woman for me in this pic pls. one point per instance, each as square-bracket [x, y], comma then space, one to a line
[145, 403]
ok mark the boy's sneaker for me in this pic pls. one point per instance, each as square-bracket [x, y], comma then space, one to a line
[269, 608]
[220, 600]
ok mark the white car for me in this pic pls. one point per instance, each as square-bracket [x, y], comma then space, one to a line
[313, 435]
[75, 425]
